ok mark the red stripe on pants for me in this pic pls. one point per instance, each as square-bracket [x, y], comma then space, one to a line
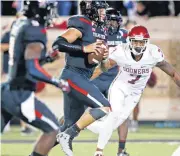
[82, 91]
[38, 114]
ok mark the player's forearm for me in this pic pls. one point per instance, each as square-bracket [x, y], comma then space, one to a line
[62, 45]
[105, 65]
[170, 70]
[176, 78]
[37, 72]
[4, 47]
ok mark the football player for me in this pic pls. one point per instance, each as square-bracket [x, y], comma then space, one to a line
[136, 59]
[27, 43]
[116, 36]
[77, 42]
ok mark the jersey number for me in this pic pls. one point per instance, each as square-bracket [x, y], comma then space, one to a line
[133, 81]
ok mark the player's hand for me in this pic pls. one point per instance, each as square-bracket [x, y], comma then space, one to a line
[52, 56]
[106, 54]
[94, 48]
[64, 85]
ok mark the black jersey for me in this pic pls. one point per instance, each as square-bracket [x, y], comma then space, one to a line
[90, 34]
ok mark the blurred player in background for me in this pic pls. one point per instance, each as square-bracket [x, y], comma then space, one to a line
[25, 129]
[77, 42]
[116, 36]
[27, 43]
[136, 60]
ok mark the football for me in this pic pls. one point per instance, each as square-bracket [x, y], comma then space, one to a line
[96, 59]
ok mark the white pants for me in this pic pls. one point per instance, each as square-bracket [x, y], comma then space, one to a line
[177, 152]
[122, 105]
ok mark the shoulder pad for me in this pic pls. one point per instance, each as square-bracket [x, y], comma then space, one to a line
[79, 22]
[33, 33]
[156, 52]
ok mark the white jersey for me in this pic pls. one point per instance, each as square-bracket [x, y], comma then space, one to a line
[133, 75]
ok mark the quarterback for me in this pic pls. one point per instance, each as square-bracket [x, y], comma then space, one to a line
[136, 59]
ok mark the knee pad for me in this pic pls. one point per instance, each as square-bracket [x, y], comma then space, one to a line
[97, 113]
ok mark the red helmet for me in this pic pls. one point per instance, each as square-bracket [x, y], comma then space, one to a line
[139, 31]
[141, 34]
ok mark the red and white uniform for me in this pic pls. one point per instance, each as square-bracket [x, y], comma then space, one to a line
[126, 89]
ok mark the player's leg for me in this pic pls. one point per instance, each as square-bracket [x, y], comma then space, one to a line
[116, 98]
[5, 118]
[102, 85]
[22, 104]
[5, 115]
[134, 123]
[122, 133]
[88, 94]
[73, 110]
[120, 112]
[46, 121]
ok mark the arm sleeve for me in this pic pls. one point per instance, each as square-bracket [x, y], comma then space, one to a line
[36, 71]
[61, 44]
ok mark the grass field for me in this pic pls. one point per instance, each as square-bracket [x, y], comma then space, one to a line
[148, 141]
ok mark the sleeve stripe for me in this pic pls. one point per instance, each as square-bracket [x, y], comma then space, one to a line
[85, 21]
[40, 69]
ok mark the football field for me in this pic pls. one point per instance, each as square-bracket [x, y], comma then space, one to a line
[149, 141]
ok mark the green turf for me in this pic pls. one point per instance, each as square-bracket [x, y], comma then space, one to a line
[87, 149]
[145, 132]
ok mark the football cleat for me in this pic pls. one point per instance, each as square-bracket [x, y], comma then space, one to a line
[123, 153]
[98, 153]
[65, 142]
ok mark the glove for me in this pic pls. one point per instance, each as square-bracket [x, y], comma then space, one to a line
[52, 56]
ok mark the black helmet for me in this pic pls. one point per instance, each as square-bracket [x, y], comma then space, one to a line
[113, 14]
[42, 11]
[90, 9]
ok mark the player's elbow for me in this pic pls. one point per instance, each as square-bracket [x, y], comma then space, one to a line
[59, 44]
